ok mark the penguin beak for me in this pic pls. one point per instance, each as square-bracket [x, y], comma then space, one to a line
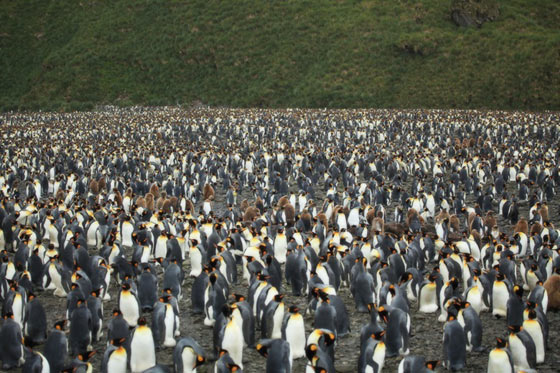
[199, 361]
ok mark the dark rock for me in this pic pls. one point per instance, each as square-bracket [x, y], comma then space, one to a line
[466, 13]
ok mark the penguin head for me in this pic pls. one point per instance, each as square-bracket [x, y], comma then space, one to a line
[262, 349]
[532, 314]
[199, 361]
[85, 357]
[514, 329]
[293, 309]
[238, 297]
[118, 342]
[378, 336]
[501, 343]
[125, 286]
[142, 321]
[383, 313]
[311, 350]
[8, 315]
[60, 325]
[432, 364]
[518, 290]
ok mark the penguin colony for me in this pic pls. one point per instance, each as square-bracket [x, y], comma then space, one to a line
[219, 240]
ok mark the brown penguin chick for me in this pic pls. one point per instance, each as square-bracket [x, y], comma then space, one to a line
[378, 225]
[94, 187]
[60, 195]
[490, 220]
[118, 197]
[334, 215]
[536, 228]
[129, 193]
[543, 211]
[251, 213]
[396, 229]
[244, 206]
[521, 226]
[174, 201]
[454, 223]
[323, 219]
[166, 206]
[283, 201]
[290, 213]
[154, 190]
[101, 183]
[189, 205]
[208, 192]
[370, 216]
[141, 202]
[472, 142]
[260, 204]
[410, 214]
[552, 287]
[470, 220]
[306, 218]
[477, 238]
[150, 204]
[161, 200]
[442, 216]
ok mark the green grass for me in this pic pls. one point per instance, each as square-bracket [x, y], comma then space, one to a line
[67, 55]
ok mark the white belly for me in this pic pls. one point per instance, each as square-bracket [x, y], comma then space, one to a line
[295, 335]
[143, 354]
[428, 299]
[129, 309]
[500, 296]
[231, 343]
[117, 363]
[189, 360]
[169, 327]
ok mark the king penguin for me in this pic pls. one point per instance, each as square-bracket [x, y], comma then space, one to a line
[188, 355]
[142, 348]
[278, 355]
[500, 360]
[454, 344]
[293, 331]
[115, 358]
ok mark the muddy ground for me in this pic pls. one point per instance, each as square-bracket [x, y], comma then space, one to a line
[426, 339]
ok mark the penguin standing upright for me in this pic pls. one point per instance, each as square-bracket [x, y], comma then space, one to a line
[35, 362]
[535, 329]
[128, 304]
[500, 296]
[278, 355]
[523, 348]
[428, 295]
[397, 331]
[500, 360]
[372, 357]
[80, 337]
[11, 348]
[142, 348]
[231, 339]
[188, 355]
[56, 347]
[115, 358]
[35, 322]
[293, 331]
[163, 323]
[454, 344]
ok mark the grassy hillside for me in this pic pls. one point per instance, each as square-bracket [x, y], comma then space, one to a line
[75, 54]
